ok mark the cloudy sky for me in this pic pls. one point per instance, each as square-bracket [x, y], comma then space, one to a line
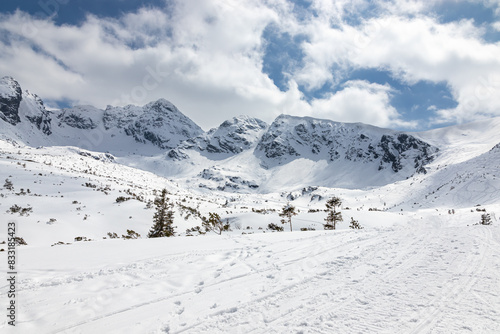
[403, 64]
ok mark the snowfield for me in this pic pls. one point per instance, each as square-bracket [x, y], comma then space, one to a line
[414, 268]
[432, 274]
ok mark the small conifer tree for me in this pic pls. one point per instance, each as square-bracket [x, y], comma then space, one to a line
[333, 216]
[131, 234]
[8, 185]
[163, 218]
[355, 224]
[485, 219]
[288, 212]
[214, 223]
[274, 227]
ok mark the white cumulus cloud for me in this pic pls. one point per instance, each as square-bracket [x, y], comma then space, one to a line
[207, 57]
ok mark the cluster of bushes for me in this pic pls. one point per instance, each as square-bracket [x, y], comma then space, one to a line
[121, 199]
[131, 234]
[22, 211]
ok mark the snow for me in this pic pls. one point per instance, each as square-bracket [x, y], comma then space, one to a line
[421, 264]
[8, 87]
[418, 270]
[428, 275]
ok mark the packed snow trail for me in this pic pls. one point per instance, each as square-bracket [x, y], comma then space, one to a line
[428, 276]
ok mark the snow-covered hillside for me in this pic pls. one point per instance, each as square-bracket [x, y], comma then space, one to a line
[243, 154]
[424, 276]
[230, 138]
[81, 185]
[150, 129]
[416, 271]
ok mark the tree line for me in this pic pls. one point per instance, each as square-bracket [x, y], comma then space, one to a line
[163, 219]
[333, 217]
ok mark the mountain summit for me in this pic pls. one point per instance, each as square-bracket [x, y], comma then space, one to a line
[244, 154]
[159, 123]
[232, 137]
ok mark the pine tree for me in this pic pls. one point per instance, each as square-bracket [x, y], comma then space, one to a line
[214, 223]
[8, 185]
[485, 219]
[288, 212]
[163, 218]
[355, 224]
[333, 216]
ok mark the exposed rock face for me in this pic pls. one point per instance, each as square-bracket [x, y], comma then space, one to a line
[225, 181]
[10, 99]
[289, 138]
[230, 138]
[36, 113]
[80, 117]
[232, 156]
[401, 149]
[159, 123]
[16, 105]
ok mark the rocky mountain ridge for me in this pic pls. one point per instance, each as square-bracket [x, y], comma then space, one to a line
[232, 137]
[291, 137]
[242, 153]
[16, 104]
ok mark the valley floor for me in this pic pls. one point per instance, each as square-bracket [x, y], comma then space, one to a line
[432, 274]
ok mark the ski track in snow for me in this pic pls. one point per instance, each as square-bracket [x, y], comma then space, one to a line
[397, 280]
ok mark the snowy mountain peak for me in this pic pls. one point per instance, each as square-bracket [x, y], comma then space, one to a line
[289, 138]
[10, 98]
[9, 87]
[80, 117]
[25, 118]
[496, 148]
[161, 105]
[244, 122]
[158, 122]
[230, 138]
[17, 106]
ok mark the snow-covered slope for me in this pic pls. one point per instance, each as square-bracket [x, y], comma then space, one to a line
[159, 123]
[411, 271]
[470, 182]
[152, 128]
[22, 114]
[230, 138]
[440, 276]
[245, 155]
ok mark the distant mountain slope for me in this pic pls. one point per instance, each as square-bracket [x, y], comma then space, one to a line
[245, 154]
[10, 98]
[475, 181]
[22, 114]
[230, 138]
[289, 138]
[158, 123]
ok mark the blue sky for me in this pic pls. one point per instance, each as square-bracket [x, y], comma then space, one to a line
[403, 64]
